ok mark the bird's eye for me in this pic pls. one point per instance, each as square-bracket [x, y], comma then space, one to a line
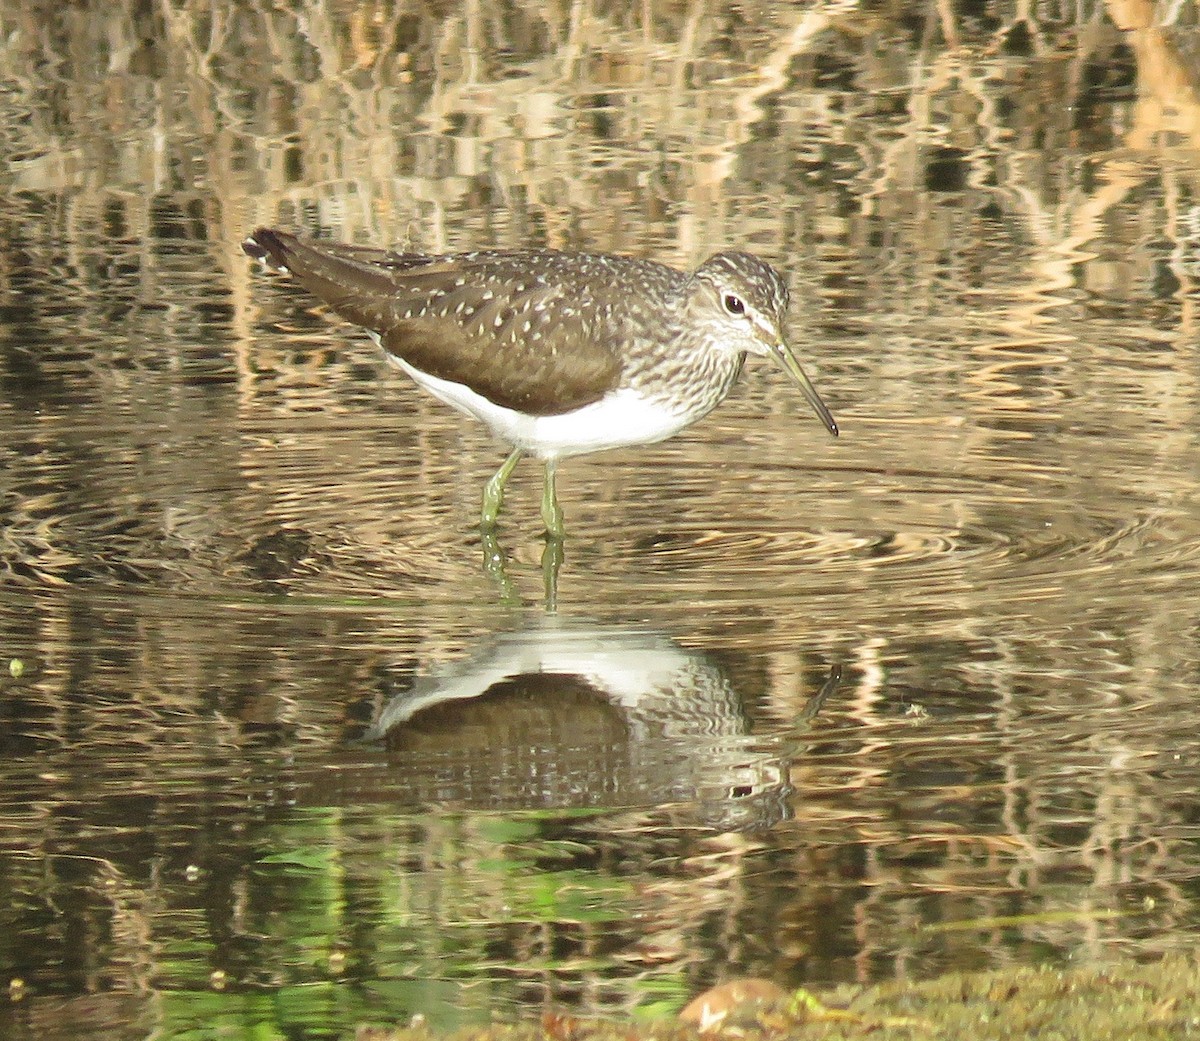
[734, 304]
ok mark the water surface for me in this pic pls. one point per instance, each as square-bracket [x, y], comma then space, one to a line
[280, 756]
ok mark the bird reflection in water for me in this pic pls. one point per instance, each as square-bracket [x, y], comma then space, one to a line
[579, 715]
[495, 566]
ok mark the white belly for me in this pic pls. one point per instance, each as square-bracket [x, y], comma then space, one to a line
[622, 418]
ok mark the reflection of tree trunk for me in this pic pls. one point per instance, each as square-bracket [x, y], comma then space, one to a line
[771, 77]
[1168, 108]
[1169, 86]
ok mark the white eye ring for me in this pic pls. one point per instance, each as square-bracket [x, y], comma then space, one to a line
[733, 304]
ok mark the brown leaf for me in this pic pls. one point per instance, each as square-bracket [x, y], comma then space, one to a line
[736, 1003]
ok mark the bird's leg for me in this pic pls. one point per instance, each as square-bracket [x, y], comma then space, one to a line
[552, 515]
[552, 561]
[495, 567]
[493, 491]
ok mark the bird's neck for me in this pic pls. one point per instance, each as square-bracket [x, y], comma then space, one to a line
[708, 373]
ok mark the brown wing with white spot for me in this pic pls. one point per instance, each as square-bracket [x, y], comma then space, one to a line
[484, 320]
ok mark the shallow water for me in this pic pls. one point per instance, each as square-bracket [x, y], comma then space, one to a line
[280, 755]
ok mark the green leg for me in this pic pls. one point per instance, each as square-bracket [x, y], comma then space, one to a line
[493, 491]
[495, 567]
[552, 515]
[552, 559]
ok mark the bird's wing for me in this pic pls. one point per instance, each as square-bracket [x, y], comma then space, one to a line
[477, 319]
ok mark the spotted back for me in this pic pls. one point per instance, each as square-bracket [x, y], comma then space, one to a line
[540, 331]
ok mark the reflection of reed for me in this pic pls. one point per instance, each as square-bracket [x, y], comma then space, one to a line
[386, 123]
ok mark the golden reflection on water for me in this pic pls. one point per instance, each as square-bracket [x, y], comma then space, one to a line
[232, 538]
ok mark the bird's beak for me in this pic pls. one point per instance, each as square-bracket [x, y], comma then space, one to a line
[784, 356]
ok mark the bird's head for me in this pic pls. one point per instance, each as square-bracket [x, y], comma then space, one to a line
[744, 300]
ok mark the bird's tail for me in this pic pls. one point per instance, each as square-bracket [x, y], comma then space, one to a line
[347, 278]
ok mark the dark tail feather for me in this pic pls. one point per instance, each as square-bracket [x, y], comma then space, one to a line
[343, 277]
[271, 247]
